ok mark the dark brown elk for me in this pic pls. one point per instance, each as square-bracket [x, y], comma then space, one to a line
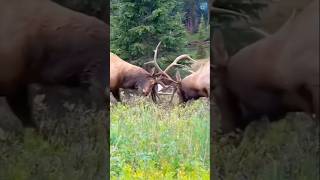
[44, 43]
[128, 76]
[193, 86]
[275, 75]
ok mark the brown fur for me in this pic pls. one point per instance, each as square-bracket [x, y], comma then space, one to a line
[200, 62]
[271, 77]
[197, 84]
[42, 42]
[128, 76]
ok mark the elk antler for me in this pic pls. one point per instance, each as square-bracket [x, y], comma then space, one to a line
[175, 62]
[154, 62]
[164, 72]
[246, 17]
[260, 31]
[228, 11]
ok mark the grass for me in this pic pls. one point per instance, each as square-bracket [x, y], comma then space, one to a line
[151, 141]
[73, 147]
[283, 150]
[161, 141]
[171, 142]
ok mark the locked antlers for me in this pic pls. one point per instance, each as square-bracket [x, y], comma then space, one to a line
[163, 78]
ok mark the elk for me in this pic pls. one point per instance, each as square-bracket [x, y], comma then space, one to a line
[128, 76]
[273, 76]
[50, 45]
[200, 63]
[194, 86]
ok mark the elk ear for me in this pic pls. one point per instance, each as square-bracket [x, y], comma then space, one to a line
[152, 72]
[220, 55]
[178, 77]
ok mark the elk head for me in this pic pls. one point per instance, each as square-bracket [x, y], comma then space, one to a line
[146, 84]
[128, 76]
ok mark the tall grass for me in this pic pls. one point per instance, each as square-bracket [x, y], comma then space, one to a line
[150, 141]
[283, 150]
[73, 147]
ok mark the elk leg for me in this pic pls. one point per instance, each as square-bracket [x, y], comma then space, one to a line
[97, 96]
[19, 103]
[310, 95]
[315, 95]
[231, 114]
[116, 94]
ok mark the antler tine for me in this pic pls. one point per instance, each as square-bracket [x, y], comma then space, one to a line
[190, 71]
[175, 62]
[260, 31]
[154, 61]
[155, 57]
[228, 11]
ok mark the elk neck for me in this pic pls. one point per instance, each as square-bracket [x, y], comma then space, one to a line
[135, 77]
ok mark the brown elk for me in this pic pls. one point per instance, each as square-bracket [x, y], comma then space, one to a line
[50, 45]
[128, 76]
[275, 75]
[193, 86]
[200, 63]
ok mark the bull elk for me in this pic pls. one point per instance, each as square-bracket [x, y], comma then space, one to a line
[273, 76]
[50, 45]
[128, 76]
[194, 86]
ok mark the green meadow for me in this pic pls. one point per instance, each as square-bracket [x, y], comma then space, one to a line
[284, 150]
[72, 148]
[160, 141]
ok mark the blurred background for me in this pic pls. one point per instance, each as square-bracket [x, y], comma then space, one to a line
[282, 150]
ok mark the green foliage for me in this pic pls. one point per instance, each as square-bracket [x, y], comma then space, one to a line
[166, 142]
[138, 26]
[203, 34]
[74, 148]
[284, 150]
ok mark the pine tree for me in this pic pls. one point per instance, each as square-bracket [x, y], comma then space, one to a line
[203, 34]
[138, 25]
